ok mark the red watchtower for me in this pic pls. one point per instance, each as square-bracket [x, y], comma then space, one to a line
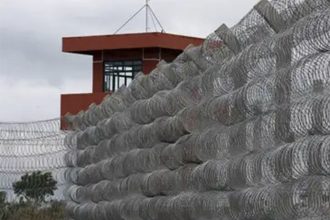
[117, 59]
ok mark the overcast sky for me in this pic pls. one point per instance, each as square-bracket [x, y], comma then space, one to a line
[34, 71]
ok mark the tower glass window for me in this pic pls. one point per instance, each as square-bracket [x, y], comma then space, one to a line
[118, 73]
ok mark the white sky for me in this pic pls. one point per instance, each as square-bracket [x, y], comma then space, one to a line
[34, 71]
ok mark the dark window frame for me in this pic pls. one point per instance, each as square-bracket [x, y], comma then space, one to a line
[117, 70]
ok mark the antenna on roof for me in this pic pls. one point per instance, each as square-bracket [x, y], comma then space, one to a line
[149, 14]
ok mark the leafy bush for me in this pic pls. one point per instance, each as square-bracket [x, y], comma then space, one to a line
[27, 211]
[35, 186]
[54, 210]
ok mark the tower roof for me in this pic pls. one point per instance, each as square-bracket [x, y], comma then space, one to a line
[90, 44]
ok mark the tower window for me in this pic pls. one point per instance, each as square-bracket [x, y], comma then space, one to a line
[118, 73]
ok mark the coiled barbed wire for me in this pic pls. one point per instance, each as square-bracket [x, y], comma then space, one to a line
[237, 128]
[306, 198]
[26, 147]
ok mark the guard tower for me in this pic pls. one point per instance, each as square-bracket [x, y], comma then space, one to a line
[117, 58]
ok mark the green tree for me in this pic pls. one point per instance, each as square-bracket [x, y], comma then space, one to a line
[35, 187]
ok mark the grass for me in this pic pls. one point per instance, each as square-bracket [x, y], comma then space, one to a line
[53, 210]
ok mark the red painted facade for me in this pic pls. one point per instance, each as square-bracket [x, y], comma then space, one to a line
[90, 44]
[150, 48]
[74, 103]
